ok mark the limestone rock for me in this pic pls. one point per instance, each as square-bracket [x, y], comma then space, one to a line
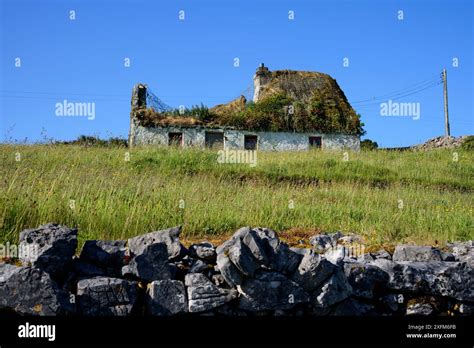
[335, 290]
[203, 295]
[337, 254]
[350, 239]
[419, 309]
[416, 253]
[450, 279]
[204, 251]
[382, 254]
[279, 255]
[253, 241]
[241, 256]
[312, 271]
[449, 142]
[108, 255]
[168, 236]
[270, 291]
[228, 270]
[166, 297]
[284, 260]
[104, 296]
[365, 279]
[198, 266]
[322, 242]
[353, 307]
[31, 291]
[86, 270]
[151, 264]
[301, 251]
[49, 247]
[463, 251]
[447, 256]
[249, 249]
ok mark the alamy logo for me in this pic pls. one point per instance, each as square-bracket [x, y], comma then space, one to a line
[237, 156]
[37, 331]
[29, 251]
[392, 108]
[66, 108]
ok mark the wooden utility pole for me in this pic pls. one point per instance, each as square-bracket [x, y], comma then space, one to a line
[446, 113]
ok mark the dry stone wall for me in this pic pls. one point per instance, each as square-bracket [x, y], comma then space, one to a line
[253, 273]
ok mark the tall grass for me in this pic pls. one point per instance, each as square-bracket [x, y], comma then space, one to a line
[388, 197]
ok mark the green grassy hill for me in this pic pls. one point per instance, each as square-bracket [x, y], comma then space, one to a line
[387, 197]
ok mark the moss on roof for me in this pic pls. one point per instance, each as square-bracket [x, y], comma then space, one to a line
[300, 101]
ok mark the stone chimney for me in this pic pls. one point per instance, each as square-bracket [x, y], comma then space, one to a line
[260, 80]
[138, 102]
[139, 96]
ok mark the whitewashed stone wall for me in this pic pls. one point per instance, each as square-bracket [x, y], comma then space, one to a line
[234, 139]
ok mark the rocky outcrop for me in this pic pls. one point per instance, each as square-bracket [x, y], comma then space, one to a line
[254, 273]
[443, 142]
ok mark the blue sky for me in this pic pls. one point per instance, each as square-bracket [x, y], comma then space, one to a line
[192, 61]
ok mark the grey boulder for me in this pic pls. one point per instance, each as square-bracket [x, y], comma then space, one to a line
[151, 264]
[203, 295]
[312, 271]
[104, 296]
[31, 291]
[198, 267]
[170, 237]
[337, 255]
[48, 247]
[86, 270]
[279, 257]
[335, 290]
[251, 249]
[270, 291]
[229, 271]
[322, 242]
[420, 309]
[449, 279]
[350, 239]
[166, 298]
[382, 254]
[108, 255]
[204, 251]
[463, 251]
[416, 253]
[365, 279]
[241, 256]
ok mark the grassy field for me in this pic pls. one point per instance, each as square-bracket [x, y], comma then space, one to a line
[387, 197]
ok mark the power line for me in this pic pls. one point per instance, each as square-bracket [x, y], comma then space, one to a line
[397, 97]
[67, 93]
[59, 98]
[403, 90]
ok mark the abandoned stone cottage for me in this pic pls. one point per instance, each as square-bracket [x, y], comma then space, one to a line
[187, 132]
